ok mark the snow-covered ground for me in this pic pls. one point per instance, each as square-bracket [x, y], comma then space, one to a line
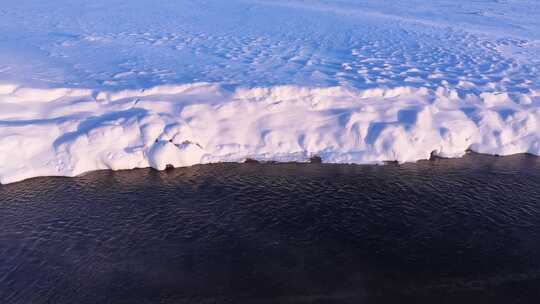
[119, 84]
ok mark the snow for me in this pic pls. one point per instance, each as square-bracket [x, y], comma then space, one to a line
[119, 84]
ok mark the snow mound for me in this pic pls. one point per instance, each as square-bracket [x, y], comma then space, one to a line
[65, 132]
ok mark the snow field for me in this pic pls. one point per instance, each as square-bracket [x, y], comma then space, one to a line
[117, 84]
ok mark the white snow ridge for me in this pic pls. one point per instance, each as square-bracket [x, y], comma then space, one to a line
[128, 84]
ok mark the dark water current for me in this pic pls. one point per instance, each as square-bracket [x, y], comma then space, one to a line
[444, 231]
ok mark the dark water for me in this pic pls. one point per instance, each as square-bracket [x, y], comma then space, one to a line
[444, 231]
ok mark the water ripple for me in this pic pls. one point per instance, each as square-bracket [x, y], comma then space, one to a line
[282, 233]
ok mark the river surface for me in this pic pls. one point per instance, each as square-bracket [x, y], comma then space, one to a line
[442, 231]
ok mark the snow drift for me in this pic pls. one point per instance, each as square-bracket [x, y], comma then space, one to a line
[70, 131]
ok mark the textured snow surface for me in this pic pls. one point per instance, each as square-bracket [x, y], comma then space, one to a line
[119, 84]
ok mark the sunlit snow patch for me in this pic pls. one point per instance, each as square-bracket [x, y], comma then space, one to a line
[67, 132]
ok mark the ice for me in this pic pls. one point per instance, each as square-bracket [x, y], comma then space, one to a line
[118, 84]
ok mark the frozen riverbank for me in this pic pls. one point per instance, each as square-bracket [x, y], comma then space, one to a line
[120, 85]
[71, 131]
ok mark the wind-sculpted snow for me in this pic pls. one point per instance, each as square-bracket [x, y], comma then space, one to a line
[71, 131]
[122, 84]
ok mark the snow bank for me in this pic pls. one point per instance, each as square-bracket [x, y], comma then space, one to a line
[67, 132]
[104, 84]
